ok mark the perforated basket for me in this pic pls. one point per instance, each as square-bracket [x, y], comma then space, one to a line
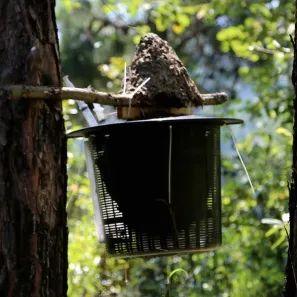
[157, 184]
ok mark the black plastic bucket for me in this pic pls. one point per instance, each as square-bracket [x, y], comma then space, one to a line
[158, 184]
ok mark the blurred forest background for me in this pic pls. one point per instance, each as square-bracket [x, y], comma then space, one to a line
[239, 46]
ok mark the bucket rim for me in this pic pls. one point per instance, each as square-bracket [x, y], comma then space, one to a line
[216, 121]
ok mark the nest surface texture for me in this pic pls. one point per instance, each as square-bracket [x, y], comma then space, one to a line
[170, 84]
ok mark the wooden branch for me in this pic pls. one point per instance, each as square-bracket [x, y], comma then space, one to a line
[214, 98]
[53, 93]
[89, 95]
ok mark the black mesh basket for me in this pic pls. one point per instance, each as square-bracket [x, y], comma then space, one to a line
[158, 184]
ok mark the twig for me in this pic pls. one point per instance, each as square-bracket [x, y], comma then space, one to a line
[141, 86]
[214, 98]
[15, 92]
[125, 78]
[292, 41]
[137, 90]
[84, 108]
[41, 92]
[241, 160]
[290, 258]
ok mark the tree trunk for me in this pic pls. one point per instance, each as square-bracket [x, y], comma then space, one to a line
[290, 289]
[33, 232]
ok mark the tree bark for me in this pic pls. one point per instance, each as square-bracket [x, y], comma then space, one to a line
[290, 288]
[33, 232]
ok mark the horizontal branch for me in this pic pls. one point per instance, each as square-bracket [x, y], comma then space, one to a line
[214, 98]
[53, 93]
[88, 95]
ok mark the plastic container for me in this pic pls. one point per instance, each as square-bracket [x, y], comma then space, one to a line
[157, 184]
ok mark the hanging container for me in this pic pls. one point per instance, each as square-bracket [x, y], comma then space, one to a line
[156, 184]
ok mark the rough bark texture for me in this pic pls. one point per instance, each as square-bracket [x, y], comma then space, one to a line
[170, 84]
[290, 289]
[170, 90]
[33, 233]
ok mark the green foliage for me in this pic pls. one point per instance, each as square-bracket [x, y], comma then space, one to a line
[239, 46]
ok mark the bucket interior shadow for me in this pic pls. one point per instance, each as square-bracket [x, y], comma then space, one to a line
[158, 185]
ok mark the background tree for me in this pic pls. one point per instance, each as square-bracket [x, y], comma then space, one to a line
[291, 282]
[33, 233]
